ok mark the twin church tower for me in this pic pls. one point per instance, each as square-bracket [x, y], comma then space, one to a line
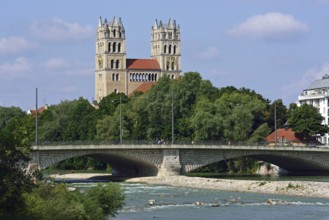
[116, 73]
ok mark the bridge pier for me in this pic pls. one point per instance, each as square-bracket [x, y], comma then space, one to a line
[171, 165]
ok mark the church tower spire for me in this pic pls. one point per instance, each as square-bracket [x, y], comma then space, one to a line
[110, 58]
[165, 47]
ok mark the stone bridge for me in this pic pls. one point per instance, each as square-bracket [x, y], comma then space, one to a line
[164, 160]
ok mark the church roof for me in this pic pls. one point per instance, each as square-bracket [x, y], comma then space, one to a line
[143, 64]
[144, 87]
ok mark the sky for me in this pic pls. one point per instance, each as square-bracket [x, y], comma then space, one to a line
[275, 47]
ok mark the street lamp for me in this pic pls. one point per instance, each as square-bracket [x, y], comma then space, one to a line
[275, 131]
[36, 117]
[172, 119]
[120, 121]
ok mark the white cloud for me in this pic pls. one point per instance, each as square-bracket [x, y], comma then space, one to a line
[56, 63]
[15, 69]
[57, 30]
[270, 26]
[209, 53]
[80, 72]
[14, 45]
[307, 78]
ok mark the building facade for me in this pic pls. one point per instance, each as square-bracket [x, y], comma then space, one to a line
[317, 95]
[114, 72]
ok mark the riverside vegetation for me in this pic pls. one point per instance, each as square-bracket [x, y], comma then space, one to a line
[201, 111]
[26, 195]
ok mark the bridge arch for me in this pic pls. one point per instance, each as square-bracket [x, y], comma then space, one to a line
[293, 162]
[123, 163]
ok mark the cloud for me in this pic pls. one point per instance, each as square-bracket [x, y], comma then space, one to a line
[307, 78]
[270, 26]
[209, 53]
[14, 45]
[57, 30]
[56, 63]
[80, 72]
[15, 69]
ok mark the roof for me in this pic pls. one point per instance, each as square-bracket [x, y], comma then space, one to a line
[288, 134]
[320, 83]
[143, 64]
[144, 87]
[40, 110]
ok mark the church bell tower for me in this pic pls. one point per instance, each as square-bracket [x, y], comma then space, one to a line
[110, 70]
[165, 47]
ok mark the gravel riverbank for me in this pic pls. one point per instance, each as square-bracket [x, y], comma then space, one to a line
[297, 188]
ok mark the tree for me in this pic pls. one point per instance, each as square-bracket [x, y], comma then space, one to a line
[15, 141]
[281, 114]
[205, 121]
[48, 201]
[242, 112]
[307, 120]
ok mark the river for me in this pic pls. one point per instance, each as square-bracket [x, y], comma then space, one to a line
[188, 203]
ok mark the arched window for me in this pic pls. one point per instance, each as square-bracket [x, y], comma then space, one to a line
[113, 77]
[167, 67]
[119, 47]
[117, 77]
[112, 64]
[109, 47]
[174, 49]
[115, 91]
[114, 33]
[169, 50]
[172, 65]
[117, 63]
[165, 49]
[114, 45]
[130, 76]
[156, 77]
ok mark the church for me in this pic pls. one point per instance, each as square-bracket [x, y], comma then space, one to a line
[116, 73]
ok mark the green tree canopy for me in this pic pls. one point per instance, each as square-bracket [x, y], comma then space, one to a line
[306, 119]
[15, 142]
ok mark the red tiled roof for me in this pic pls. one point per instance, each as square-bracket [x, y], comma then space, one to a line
[143, 64]
[287, 134]
[144, 87]
[40, 110]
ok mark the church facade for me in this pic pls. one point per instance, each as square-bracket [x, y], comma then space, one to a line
[116, 73]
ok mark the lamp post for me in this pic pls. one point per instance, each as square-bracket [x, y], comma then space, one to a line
[120, 121]
[275, 131]
[36, 117]
[172, 119]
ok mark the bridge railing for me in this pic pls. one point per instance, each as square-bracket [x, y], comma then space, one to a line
[184, 142]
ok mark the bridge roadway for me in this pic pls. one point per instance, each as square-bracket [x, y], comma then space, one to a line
[165, 160]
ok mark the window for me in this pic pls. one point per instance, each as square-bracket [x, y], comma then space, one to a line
[119, 47]
[117, 64]
[169, 50]
[114, 47]
[165, 49]
[109, 47]
[173, 66]
[112, 64]
[174, 49]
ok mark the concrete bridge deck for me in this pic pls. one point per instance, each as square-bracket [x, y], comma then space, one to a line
[161, 159]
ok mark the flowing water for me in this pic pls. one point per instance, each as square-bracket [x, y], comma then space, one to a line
[187, 203]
